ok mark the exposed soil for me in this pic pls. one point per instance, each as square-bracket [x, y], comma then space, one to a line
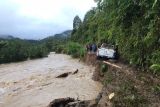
[131, 88]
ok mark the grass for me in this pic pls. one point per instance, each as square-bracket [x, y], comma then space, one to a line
[128, 96]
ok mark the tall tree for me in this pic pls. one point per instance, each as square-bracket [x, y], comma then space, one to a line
[76, 22]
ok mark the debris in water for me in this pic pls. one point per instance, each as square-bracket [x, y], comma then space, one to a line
[75, 72]
[111, 96]
[63, 75]
[61, 102]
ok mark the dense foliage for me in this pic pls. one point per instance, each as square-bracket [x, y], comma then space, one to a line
[75, 50]
[15, 49]
[57, 43]
[132, 24]
[20, 50]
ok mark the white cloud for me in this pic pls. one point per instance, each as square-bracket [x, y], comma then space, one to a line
[49, 9]
[49, 16]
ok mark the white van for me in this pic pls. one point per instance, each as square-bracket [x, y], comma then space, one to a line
[107, 52]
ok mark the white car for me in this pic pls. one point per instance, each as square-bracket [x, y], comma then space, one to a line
[107, 52]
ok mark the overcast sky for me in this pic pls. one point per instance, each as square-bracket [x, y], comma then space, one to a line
[36, 19]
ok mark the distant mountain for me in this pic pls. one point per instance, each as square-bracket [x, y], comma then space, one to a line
[10, 38]
[62, 35]
[7, 37]
[31, 41]
[66, 33]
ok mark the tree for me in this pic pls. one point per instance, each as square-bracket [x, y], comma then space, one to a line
[2, 44]
[76, 22]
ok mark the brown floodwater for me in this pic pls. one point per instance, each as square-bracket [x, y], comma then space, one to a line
[32, 83]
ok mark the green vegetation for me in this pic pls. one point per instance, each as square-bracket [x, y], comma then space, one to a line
[104, 68]
[131, 91]
[64, 44]
[20, 50]
[156, 89]
[155, 68]
[133, 25]
[57, 43]
[128, 96]
[75, 50]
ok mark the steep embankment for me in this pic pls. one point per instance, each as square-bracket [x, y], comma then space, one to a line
[124, 86]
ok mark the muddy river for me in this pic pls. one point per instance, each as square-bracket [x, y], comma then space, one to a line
[33, 84]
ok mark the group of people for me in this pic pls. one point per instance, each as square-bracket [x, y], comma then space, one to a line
[91, 47]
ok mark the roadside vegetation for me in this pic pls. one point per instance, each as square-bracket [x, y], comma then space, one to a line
[133, 25]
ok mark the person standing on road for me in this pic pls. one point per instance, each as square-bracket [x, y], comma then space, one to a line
[94, 47]
[90, 47]
[87, 47]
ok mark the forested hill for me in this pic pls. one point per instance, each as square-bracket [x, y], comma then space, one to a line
[14, 49]
[134, 25]
[57, 41]
[6, 37]
[64, 34]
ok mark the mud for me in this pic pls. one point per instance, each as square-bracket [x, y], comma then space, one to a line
[33, 83]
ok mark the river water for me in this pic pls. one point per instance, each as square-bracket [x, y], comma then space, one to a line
[32, 83]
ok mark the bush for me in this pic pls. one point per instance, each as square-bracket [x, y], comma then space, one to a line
[155, 68]
[37, 51]
[59, 48]
[20, 50]
[13, 51]
[104, 68]
[75, 50]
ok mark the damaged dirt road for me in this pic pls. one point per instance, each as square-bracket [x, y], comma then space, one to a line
[33, 83]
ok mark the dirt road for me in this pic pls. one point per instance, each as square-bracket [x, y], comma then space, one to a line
[33, 84]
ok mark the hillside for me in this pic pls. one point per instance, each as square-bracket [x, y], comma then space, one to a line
[62, 35]
[14, 49]
[6, 37]
[56, 42]
[132, 25]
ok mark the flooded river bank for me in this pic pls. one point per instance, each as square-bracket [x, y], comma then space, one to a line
[33, 84]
